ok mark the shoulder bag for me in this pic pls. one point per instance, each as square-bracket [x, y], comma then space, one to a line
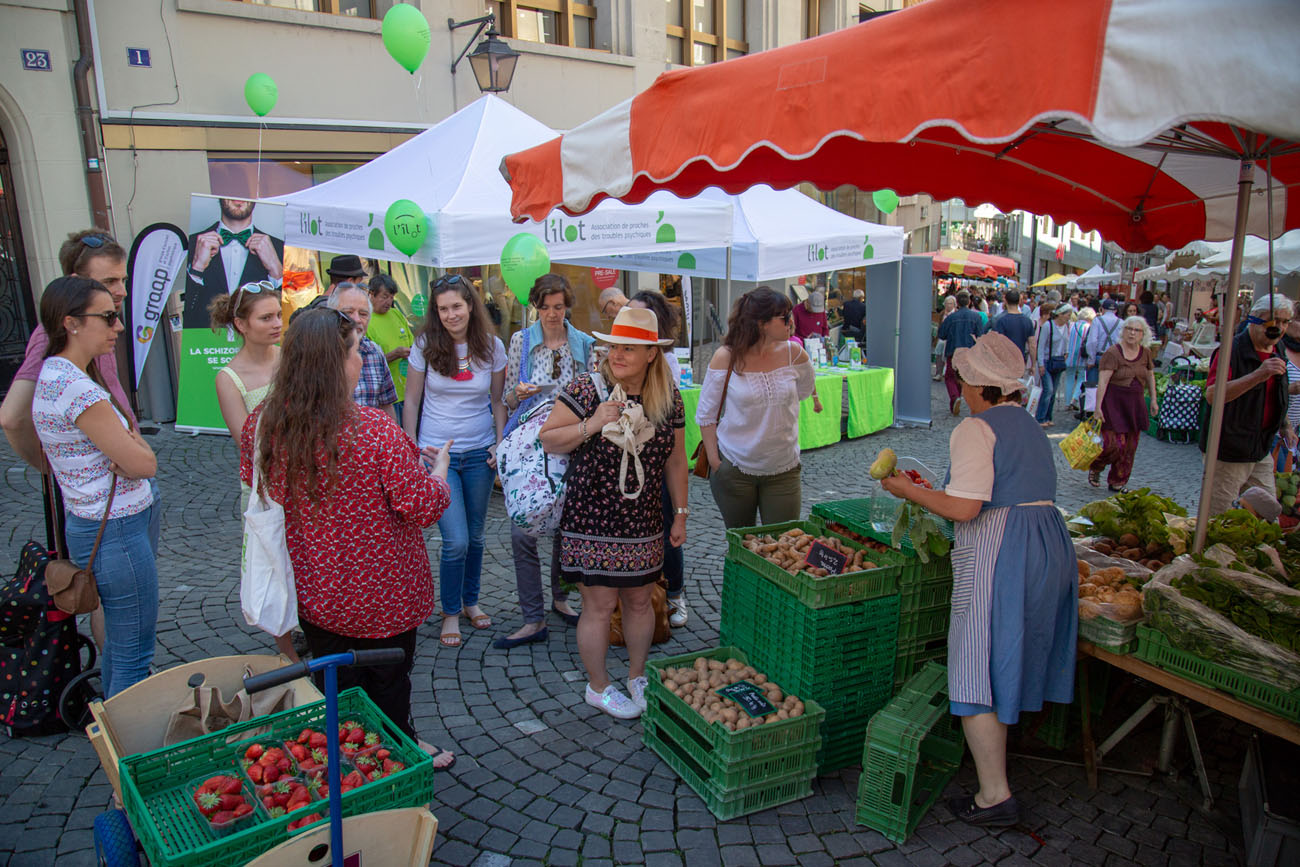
[700, 456]
[267, 595]
[71, 587]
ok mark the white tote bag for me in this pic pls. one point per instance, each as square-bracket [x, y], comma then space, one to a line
[1035, 395]
[266, 592]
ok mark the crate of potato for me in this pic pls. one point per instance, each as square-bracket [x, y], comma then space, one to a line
[778, 553]
[871, 520]
[735, 762]
[1110, 608]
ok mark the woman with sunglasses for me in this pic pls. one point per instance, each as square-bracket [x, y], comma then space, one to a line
[356, 500]
[542, 359]
[103, 466]
[1126, 368]
[749, 413]
[458, 365]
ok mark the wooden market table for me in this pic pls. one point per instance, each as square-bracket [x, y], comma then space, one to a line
[1182, 688]
[865, 396]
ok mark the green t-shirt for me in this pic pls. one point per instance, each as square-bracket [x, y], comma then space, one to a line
[391, 330]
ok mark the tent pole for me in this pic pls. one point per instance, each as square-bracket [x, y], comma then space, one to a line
[898, 331]
[1228, 325]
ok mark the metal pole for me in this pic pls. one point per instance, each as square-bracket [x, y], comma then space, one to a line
[1244, 183]
[332, 762]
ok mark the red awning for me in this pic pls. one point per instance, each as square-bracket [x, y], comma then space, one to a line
[966, 263]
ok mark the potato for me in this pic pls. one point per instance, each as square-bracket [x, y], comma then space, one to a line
[760, 679]
[1130, 540]
[1085, 568]
[774, 694]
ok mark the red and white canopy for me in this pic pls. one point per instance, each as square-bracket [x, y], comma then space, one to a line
[967, 263]
[1130, 117]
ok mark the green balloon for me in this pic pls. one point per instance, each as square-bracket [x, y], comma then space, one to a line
[523, 260]
[406, 35]
[406, 226]
[261, 93]
[885, 200]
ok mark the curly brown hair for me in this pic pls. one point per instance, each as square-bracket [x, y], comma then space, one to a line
[439, 347]
[751, 311]
[309, 405]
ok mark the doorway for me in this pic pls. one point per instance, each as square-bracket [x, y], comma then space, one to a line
[17, 307]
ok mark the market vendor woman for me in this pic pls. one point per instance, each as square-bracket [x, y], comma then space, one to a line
[1011, 639]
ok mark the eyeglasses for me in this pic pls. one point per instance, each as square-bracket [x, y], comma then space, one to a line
[555, 364]
[1134, 330]
[346, 320]
[110, 317]
[251, 288]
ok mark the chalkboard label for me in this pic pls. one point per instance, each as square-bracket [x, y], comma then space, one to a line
[824, 557]
[750, 697]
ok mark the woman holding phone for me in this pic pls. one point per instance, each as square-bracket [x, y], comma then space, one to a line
[541, 359]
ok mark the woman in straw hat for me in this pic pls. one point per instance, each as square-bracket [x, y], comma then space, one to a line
[1011, 642]
[612, 541]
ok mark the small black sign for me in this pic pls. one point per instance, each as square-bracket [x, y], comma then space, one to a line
[750, 697]
[824, 557]
[36, 59]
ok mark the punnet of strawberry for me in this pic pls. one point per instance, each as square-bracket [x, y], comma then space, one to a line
[355, 738]
[266, 762]
[305, 821]
[308, 750]
[318, 785]
[377, 765]
[284, 796]
[220, 800]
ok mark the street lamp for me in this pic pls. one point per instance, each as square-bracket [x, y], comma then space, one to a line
[493, 61]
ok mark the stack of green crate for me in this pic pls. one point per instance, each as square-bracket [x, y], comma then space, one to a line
[913, 748]
[925, 589]
[832, 639]
[734, 773]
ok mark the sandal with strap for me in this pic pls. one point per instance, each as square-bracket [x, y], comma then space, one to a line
[1094, 478]
[450, 639]
[482, 621]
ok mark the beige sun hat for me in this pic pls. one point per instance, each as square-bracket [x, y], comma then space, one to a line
[634, 326]
[993, 360]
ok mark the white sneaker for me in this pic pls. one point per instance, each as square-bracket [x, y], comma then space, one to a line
[677, 614]
[636, 689]
[613, 702]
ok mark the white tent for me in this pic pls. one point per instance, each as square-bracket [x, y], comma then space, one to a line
[1094, 276]
[775, 234]
[1163, 273]
[1214, 256]
[451, 171]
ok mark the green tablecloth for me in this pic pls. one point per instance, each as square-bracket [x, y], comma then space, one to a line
[870, 407]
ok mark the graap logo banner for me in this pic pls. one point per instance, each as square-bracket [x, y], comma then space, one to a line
[156, 260]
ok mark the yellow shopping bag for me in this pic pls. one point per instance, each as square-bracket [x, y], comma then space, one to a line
[1083, 445]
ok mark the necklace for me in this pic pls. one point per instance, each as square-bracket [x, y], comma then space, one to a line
[463, 373]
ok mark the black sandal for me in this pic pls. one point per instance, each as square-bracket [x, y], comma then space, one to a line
[1094, 478]
[1120, 490]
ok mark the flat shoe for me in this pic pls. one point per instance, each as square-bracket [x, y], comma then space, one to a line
[505, 642]
[480, 622]
[437, 753]
[1001, 815]
[571, 619]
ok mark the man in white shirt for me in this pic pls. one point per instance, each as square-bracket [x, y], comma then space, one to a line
[1102, 335]
[225, 256]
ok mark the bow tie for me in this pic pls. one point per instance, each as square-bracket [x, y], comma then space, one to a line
[242, 237]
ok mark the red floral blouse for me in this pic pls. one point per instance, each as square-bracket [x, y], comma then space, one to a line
[359, 561]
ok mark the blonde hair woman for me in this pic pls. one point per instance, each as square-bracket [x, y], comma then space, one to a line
[611, 543]
[1126, 368]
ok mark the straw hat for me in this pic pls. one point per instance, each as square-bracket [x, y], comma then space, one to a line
[636, 327]
[993, 360]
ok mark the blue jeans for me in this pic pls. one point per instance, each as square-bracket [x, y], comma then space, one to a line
[126, 574]
[461, 567]
[1049, 381]
[1073, 383]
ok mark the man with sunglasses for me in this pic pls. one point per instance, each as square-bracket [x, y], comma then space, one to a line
[225, 256]
[95, 255]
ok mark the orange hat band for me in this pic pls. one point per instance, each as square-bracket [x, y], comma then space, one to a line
[633, 332]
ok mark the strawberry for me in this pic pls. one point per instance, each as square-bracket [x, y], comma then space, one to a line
[318, 741]
[365, 764]
[243, 809]
[382, 754]
[356, 735]
[298, 804]
[304, 736]
[392, 767]
[280, 793]
[274, 754]
[284, 764]
[372, 739]
[270, 774]
[209, 802]
[254, 752]
[305, 820]
[257, 774]
[231, 802]
[299, 751]
[276, 812]
[222, 818]
[352, 781]
[268, 801]
[232, 786]
[318, 757]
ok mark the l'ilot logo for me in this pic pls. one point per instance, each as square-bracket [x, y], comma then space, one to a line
[307, 224]
[143, 333]
[556, 230]
[816, 252]
[666, 233]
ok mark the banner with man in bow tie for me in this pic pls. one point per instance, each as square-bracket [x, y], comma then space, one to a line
[232, 242]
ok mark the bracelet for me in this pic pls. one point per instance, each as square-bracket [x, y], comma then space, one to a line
[582, 428]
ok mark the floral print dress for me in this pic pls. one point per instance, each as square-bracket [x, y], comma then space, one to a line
[607, 539]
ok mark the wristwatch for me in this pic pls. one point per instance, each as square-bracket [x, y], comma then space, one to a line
[682, 510]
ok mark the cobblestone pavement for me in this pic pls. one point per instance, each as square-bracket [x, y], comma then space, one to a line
[544, 779]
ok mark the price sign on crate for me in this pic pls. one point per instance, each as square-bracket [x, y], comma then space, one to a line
[823, 557]
[749, 697]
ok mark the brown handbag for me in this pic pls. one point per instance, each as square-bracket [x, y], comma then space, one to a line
[71, 587]
[658, 601]
[701, 457]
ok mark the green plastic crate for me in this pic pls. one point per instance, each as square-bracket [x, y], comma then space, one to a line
[729, 776]
[913, 748]
[157, 801]
[923, 625]
[925, 594]
[812, 591]
[1108, 635]
[729, 804]
[874, 518]
[731, 746]
[914, 653]
[1155, 648]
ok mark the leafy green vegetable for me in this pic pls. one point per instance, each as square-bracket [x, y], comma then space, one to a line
[927, 539]
[1139, 512]
[1272, 616]
[1240, 530]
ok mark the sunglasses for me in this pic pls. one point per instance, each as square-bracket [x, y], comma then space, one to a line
[346, 320]
[447, 280]
[94, 242]
[555, 364]
[252, 288]
[110, 317]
